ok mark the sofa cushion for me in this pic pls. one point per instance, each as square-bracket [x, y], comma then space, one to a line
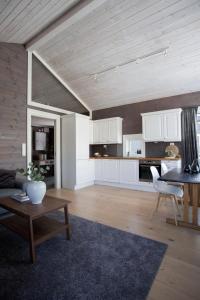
[7, 178]
[9, 192]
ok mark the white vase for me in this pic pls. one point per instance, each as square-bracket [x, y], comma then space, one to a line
[36, 191]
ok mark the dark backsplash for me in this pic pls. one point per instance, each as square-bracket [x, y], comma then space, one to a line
[111, 150]
[152, 149]
[158, 149]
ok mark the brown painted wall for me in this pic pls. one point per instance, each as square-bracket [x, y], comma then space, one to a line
[48, 90]
[131, 113]
[13, 85]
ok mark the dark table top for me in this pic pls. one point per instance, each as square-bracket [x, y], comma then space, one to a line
[27, 209]
[177, 175]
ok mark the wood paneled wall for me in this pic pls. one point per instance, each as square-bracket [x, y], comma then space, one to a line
[131, 113]
[13, 85]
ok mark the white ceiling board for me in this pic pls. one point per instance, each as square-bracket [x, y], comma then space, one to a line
[21, 20]
[86, 55]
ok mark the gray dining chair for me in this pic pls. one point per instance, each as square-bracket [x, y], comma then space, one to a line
[166, 191]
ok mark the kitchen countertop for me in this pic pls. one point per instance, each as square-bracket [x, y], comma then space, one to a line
[135, 158]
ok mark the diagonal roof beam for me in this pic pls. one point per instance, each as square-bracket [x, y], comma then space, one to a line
[76, 13]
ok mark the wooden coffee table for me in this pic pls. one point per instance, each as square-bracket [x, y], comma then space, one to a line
[30, 222]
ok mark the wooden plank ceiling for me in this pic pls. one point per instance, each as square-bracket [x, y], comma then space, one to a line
[20, 20]
[125, 51]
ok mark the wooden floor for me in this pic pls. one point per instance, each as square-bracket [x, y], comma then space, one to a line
[179, 274]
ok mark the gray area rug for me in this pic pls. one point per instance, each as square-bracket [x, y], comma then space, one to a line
[99, 262]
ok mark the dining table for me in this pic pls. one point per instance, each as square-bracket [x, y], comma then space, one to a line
[191, 186]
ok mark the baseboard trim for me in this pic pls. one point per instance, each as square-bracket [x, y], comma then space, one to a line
[137, 187]
[83, 185]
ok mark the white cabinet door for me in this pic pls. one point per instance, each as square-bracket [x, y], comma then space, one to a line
[129, 171]
[96, 132]
[112, 131]
[84, 171]
[91, 133]
[110, 170]
[104, 131]
[115, 130]
[107, 131]
[98, 169]
[172, 126]
[152, 127]
[82, 137]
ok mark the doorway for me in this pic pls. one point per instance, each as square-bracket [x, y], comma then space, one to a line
[43, 144]
[43, 147]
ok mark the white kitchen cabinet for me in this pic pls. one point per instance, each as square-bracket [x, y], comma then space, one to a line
[91, 131]
[99, 169]
[110, 170]
[129, 171]
[107, 170]
[162, 126]
[76, 166]
[172, 126]
[84, 171]
[152, 127]
[82, 137]
[119, 172]
[107, 131]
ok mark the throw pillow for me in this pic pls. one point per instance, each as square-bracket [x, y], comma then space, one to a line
[7, 178]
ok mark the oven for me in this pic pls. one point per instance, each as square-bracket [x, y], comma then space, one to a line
[145, 171]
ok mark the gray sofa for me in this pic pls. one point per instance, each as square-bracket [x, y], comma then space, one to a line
[18, 187]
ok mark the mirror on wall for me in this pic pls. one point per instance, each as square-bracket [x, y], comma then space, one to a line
[133, 145]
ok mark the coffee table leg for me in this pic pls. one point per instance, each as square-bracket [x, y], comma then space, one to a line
[67, 222]
[31, 241]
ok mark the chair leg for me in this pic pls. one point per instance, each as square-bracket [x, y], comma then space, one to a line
[158, 202]
[177, 206]
[174, 207]
[157, 205]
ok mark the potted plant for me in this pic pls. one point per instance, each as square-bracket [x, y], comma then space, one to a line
[35, 186]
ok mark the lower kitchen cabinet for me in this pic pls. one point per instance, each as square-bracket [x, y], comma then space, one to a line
[107, 170]
[129, 171]
[84, 172]
[110, 170]
[117, 171]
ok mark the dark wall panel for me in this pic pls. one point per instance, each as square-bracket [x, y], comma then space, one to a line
[131, 113]
[48, 90]
[13, 85]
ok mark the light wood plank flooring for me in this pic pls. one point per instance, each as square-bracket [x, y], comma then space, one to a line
[179, 274]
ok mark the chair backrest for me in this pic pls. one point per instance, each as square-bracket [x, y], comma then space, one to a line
[164, 168]
[155, 176]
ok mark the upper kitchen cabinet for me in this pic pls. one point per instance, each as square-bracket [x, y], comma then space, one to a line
[162, 126]
[107, 131]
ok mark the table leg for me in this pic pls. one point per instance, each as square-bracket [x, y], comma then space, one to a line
[67, 222]
[186, 203]
[31, 241]
[195, 204]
